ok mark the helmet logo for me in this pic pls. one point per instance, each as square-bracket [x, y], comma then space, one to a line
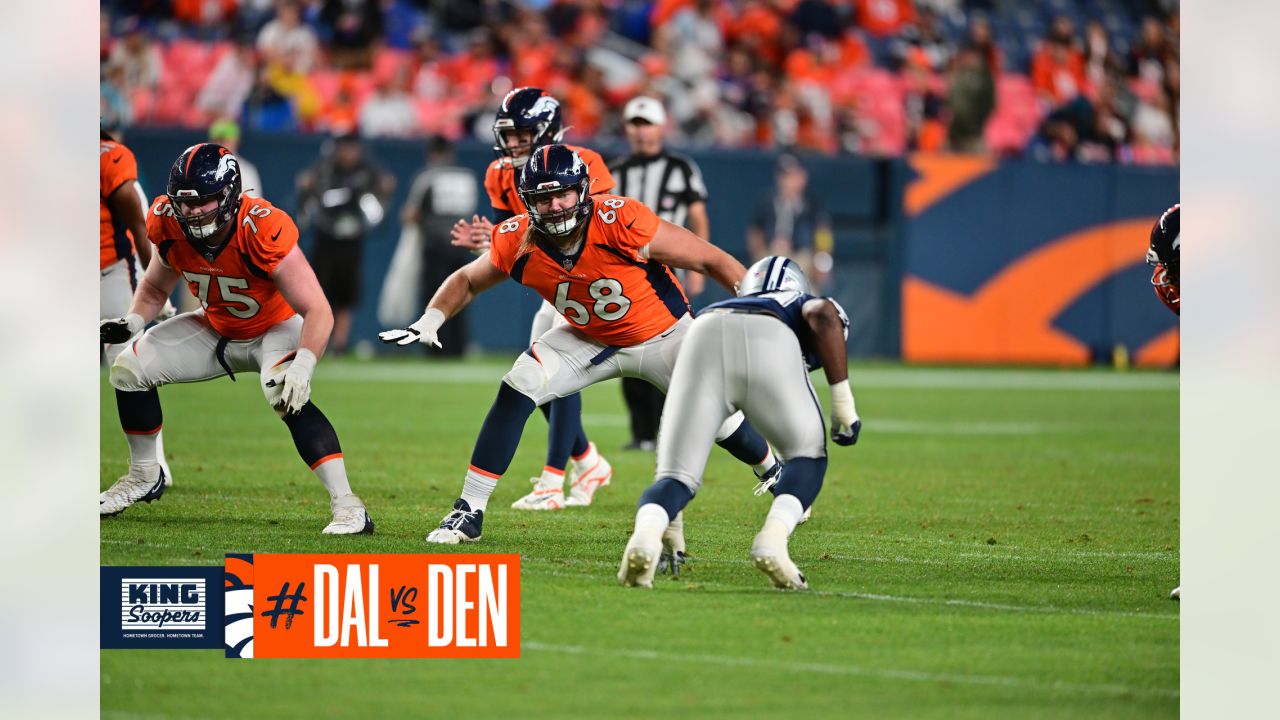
[226, 164]
[544, 104]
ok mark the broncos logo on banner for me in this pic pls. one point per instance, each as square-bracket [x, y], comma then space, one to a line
[238, 618]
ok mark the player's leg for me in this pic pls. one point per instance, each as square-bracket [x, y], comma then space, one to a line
[780, 399]
[118, 282]
[696, 406]
[180, 349]
[655, 360]
[313, 434]
[558, 364]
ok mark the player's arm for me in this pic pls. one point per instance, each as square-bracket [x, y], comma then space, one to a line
[675, 246]
[297, 283]
[153, 292]
[827, 327]
[455, 293]
[123, 203]
[700, 225]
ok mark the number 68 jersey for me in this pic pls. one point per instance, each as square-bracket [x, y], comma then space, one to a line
[609, 288]
[234, 283]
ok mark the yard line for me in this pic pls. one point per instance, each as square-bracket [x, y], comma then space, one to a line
[834, 669]
[904, 377]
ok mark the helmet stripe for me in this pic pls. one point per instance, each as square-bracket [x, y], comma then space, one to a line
[190, 157]
[777, 269]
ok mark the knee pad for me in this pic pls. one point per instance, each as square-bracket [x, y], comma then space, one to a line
[126, 373]
[530, 378]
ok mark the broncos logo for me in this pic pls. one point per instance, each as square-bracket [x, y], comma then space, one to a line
[238, 618]
[226, 164]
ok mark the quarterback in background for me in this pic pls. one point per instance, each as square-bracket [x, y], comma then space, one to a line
[262, 311]
[604, 262]
[751, 354]
[1163, 250]
[529, 119]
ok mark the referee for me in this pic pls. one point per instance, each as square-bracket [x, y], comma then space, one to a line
[671, 185]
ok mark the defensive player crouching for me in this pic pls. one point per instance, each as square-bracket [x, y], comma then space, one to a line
[263, 311]
[751, 354]
[603, 262]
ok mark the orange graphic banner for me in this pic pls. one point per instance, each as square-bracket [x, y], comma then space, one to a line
[374, 606]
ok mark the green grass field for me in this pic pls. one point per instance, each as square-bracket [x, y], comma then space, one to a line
[1000, 543]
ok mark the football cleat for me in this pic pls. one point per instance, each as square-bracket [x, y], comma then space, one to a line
[462, 524]
[349, 517]
[673, 554]
[639, 562]
[142, 483]
[587, 481]
[769, 555]
[548, 494]
[1176, 594]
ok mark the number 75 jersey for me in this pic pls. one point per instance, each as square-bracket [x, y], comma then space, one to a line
[609, 289]
[234, 284]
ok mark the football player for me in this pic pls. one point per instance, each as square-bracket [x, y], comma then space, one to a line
[1162, 253]
[751, 354]
[262, 311]
[603, 262]
[122, 236]
[528, 119]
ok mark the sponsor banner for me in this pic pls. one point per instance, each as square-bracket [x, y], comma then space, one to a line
[372, 606]
[161, 607]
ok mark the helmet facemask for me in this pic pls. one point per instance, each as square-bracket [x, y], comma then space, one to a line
[518, 152]
[203, 225]
[558, 223]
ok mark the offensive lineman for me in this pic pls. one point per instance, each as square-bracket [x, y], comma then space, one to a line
[263, 311]
[529, 119]
[603, 260]
[1163, 250]
[752, 354]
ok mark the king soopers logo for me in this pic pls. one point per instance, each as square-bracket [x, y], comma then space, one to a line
[163, 604]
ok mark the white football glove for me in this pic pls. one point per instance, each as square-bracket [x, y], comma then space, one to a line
[845, 424]
[297, 381]
[166, 312]
[423, 331]
[118, 330]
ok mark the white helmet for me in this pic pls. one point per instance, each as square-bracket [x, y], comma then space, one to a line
[772, 274]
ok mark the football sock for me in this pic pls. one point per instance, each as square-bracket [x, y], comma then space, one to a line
[801, 478]
[141, 420]
[786, 509]
[668, 493]
[565, 430]
[314, 437]
[749, 447]
[500, 435]
[651, 522]
[160, 446]
[551, 478]
[586, 459]
[333, 475]
[477, 487]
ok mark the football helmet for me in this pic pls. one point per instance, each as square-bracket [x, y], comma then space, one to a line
[532, 109]
[550, 171]
[772, 274]
[202, 173]
[1164, 247]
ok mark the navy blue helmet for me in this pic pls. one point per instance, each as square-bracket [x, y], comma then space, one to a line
[203, 173]
[1166, 243]
[550, 171]
[526, 109]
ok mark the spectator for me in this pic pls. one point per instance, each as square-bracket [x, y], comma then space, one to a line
[1057, 70]
[228, 86]
[790, 221]
[1149, 56]
[430, 81]
[208, 19]
[691, 42]
[390, 111]
[671, 185]
[924, 39]
[758, 30]
[114, 105]
[288, 81]
[287, 41]
[226, 133]
[354, 27]
[885, 18]
[441, 193]
[972, 99]
[138, 59]
[1100, 62]
[342, 198]
[816, 17]
[923, 109]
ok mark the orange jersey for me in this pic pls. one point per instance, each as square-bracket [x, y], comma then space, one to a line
[500, 180]
[116, 166]
[1167, 292]
[609, 290]
[234, 286]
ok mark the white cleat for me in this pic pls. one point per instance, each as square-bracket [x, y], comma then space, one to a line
[462, 524]
[1176, 594]
[587, 481]
[769, 555]
[545, 496]
[349, 517]
[673, 549]
[639, 563]
[141, 484]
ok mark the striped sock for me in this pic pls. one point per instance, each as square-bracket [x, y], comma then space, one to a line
[333, 475]
[477, 487]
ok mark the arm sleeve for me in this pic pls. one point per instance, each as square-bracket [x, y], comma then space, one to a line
[119, 167]
[503, 246]
[634, 228]
[493, 187]
[277, 235]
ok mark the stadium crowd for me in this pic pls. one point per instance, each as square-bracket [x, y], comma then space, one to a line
[1055, 80]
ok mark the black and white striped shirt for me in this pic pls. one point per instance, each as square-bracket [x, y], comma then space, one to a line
[668, 183]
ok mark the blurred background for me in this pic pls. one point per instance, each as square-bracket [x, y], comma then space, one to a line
[972, 179]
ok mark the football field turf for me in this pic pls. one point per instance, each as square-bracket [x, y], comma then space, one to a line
[1000, 543]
